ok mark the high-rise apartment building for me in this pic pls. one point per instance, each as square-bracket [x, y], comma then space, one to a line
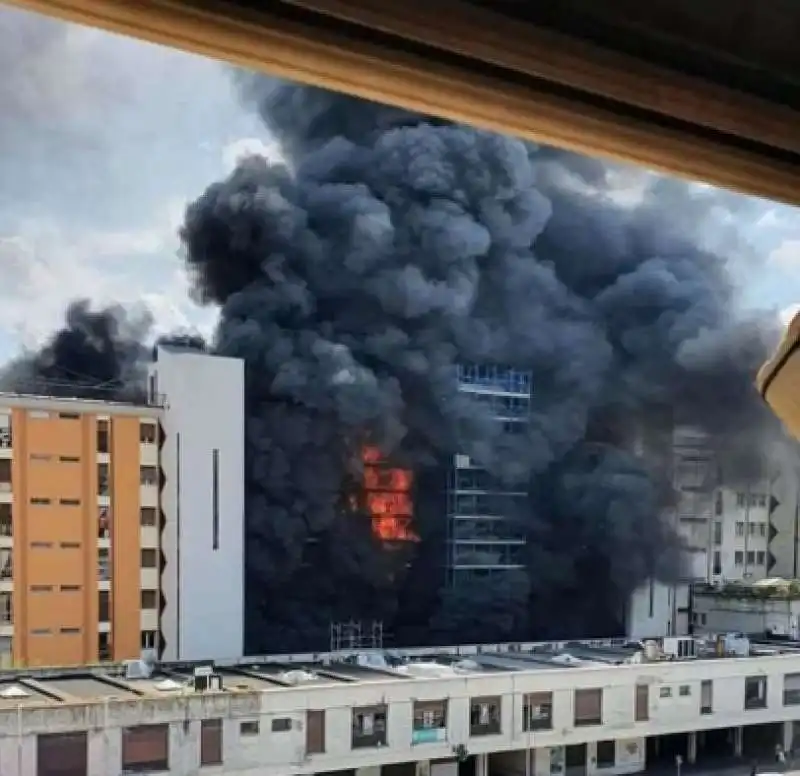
[741, 531]
[79, 532]
[483, 535]
[121, 525]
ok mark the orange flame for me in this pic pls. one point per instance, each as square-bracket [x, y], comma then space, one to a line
[388, 498]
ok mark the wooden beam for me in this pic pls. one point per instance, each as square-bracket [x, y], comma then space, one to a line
[265, 41]
[495, 39]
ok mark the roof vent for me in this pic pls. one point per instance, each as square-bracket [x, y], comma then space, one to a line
[13, 691]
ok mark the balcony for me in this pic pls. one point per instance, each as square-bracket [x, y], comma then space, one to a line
[6, 443]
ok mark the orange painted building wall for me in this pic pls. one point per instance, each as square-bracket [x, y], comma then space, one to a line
[55, 556]
[125, 539]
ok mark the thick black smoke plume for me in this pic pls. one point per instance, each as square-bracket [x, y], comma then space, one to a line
[355, 279]
[98, 354]
[391, 248]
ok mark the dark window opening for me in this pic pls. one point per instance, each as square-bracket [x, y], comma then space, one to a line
[369, 726]
[211, 742]
[215, 499]
[588, 707]
[537, 711]
[145, 749]
[755, 692]
[103, 436]
[315, 731]
[606, 754]
[62, 754]
[485, 716]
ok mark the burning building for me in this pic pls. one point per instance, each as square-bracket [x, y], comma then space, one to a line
[360, 282]
[388, 498]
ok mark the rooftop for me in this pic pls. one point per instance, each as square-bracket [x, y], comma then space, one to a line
[134, 680]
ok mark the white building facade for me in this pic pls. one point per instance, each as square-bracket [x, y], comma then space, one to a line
[512, 722]
[202, 499]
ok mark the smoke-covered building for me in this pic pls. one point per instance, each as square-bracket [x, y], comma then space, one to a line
[483, 515]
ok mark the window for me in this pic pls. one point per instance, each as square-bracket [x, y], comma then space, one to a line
[791, 690]
[717, 532]
[752, 528]
[741, 499]
[642, 703]
[606, 754]
[70, 588]
[149, 559]
[761, 558]
[61, 754]
[684, 690]
[6, 608]
[38, 414]
[281, 724]
[149, 599]
[145, 748]
[70, 545]
[315, 731]
[69, 502]
[717, 569]
[6, 525]
[39, 502]
[41, 588]
[665, 692]
[69, 416]
[40, 456]
[147, 433]
[103, 523]
[103, 480]
[706, 696]
[429, 722]
[103, 565]
[211, 742]
[738, 558]
[369, 726]
[104, 606]
[104, 651]
[41, 632]
[751, 557]
[740, 528]
[147, 516]
[762, 529]
[102, 436]
[755, 692]
[5, 474]
[148, 475]
[484, 716]
[718, 504]
[41, 545]
[69, 459]
[215, 499]
[588, 707]
[70, 631]
[537, 711]
[148, 639]
[249, 728]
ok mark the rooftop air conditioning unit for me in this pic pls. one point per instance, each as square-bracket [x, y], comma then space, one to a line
[205, 680]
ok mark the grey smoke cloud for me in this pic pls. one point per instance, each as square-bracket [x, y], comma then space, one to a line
[393, 247]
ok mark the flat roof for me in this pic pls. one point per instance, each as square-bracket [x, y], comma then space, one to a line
[55, 686]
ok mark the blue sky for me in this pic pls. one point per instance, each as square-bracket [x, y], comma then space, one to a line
[103, 140]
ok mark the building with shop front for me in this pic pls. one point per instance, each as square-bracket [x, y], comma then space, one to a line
[577, 709]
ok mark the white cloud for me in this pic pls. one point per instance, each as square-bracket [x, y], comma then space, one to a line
[786, 255]
[45, 265]
[249, 146]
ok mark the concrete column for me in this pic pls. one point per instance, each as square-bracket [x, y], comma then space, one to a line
[691, 749]
[738, 741]
[481, 765]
